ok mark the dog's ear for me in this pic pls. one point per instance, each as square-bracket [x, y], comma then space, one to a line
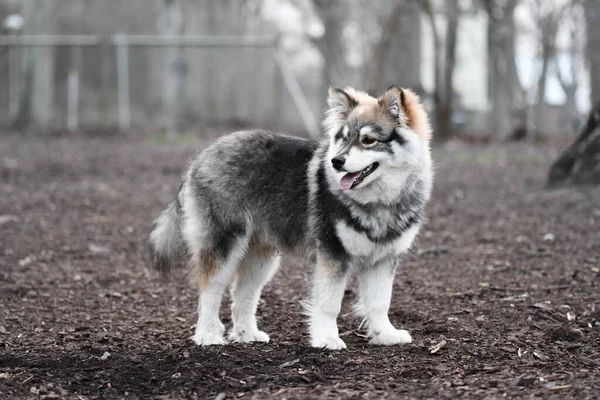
[405, 106]
[393, 102]
[340, 102]
[340, 105]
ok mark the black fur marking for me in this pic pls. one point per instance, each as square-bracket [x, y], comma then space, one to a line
[339, 135]
[177, 198]
[351, 102]
[289, 226]
[394, 136]
[400, 139]
[329, 209]
[406, 213]
[376, 129]
[224, 238]
[402, 98]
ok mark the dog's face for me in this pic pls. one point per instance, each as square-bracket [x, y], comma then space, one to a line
[375, 144]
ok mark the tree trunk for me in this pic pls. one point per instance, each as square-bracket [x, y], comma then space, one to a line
[541, 93]
[37, 96]
[592, 17]
[396, 56]
[447, 107]
[504, 83]
[580, 163]
[170, 23]
[444, 53]
[332, 45]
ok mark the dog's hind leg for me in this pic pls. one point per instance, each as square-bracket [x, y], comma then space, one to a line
[257, 268]
[214, 274]
[375, 286]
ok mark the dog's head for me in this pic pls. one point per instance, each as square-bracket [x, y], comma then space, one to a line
[376, 143]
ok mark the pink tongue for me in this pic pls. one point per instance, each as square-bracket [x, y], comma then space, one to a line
[348, 179]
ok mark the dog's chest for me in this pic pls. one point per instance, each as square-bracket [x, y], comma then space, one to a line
[379, 235]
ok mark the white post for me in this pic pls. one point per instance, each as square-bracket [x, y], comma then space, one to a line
[73, 90]
[13, 82]
[123, 81]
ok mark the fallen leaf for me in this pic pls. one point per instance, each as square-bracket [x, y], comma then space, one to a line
[8, 218]
[435, 348]
[289, 363]
[563, 387]
[542, 306]
[98, 249]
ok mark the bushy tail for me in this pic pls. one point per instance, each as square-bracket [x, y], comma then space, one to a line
[166, 241]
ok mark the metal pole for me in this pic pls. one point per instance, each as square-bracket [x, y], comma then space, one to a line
[73, 90]
[123, 81]
[49, 40]
[13, 83]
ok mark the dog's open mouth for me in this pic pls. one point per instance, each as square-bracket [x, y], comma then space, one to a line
[353, 179]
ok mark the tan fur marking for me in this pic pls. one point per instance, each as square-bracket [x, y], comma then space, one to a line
[376, 110]
[361, 97]
[331, 266]
[417, 117]
[205, 265]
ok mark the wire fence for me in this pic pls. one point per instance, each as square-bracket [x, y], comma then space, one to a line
[134, 80]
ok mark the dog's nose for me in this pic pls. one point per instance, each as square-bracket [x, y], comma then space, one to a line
[338, 162]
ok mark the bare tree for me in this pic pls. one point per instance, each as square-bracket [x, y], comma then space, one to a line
[580, 163]
[374, 68]
[333, 14]
[170, 22]
[547, 17]
[395, 53]
[37, 95]
[444, 63]
[505, 90]
[573, 52]
[592, 18]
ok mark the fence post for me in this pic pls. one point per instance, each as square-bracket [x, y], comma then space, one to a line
[73, 89]
[123, 81]
[14, 80]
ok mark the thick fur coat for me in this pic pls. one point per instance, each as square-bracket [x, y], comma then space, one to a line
[351, 203]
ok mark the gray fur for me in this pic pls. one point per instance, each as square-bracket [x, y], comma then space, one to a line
[254, 193]
[167, 246]
[256, 184]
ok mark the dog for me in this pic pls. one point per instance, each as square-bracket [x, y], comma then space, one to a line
[352, 203]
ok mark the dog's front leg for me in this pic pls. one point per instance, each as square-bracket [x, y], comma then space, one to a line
[375, 286]
[329, 283]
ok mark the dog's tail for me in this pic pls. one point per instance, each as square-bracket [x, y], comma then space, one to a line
[167, 246]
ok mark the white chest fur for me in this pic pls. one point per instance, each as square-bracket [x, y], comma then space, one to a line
[359, 245]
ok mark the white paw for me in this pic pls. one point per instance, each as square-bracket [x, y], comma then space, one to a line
[330, 343]
[391, 337]
[208, 339]
[247, 336]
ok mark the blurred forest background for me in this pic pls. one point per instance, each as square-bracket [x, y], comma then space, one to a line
[501, 68]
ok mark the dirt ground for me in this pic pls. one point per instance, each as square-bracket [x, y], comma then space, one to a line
[506, 274]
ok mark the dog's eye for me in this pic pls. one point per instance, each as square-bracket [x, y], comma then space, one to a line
[367, 141]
